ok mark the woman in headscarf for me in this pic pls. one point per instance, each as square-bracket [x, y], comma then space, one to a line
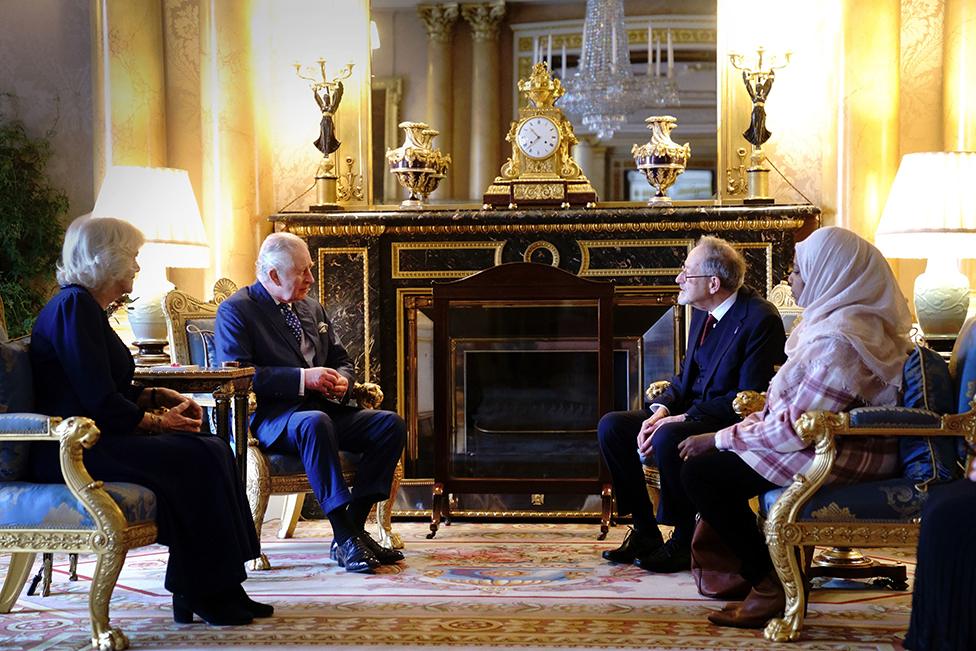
[847, 352]
[82, 368]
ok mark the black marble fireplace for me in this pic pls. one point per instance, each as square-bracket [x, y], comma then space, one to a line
[375, 272]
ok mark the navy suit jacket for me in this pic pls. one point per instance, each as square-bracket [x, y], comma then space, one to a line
[251, 330]
[751, 343]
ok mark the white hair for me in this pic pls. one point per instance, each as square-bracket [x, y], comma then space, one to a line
[98, 251]
[723, 261]
[278, 251]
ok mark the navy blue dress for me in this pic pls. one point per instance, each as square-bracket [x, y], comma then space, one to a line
[944, 597]
[82, 368]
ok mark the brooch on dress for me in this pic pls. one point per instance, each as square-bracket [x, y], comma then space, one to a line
[323, 327]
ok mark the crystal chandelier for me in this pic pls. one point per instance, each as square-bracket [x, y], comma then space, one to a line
[604, 90]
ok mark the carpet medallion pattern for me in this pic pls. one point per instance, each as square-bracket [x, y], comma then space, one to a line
[529, 586]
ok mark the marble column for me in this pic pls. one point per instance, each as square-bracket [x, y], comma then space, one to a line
[439, 21]
[591, 156]
[959, 76]
[485, 133]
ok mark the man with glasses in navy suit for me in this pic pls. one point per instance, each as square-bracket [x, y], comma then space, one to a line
[735, 340]
[302, 380]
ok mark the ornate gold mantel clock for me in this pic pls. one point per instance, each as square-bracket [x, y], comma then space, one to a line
[541, 170]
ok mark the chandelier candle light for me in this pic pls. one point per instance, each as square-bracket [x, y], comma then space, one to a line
[604, 90]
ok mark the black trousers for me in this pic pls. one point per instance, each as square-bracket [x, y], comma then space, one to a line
[617, 433]
[720, 485]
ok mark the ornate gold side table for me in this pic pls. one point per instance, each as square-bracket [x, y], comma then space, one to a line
[225, 389]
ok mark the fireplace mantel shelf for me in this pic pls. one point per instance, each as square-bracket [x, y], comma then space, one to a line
[448, 218]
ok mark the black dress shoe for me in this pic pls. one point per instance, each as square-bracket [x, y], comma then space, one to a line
[384, 555]
[635, 544]
[214, 610]
[667, 559]
[355, 556]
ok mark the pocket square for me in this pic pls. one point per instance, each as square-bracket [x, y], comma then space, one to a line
[323, 327]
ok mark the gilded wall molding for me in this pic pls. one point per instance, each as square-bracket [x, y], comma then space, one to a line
[543, 245]
[587, 246]
[396, 249]
[309, 230]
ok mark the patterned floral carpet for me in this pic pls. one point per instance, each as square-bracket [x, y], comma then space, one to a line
[527, 586]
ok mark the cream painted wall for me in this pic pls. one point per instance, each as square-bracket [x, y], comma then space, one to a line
[45, 81]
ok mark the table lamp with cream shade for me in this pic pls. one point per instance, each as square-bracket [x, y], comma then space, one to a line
[159, 201]
[931, 214]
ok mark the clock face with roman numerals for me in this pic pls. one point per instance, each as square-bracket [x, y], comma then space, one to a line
[538, 137]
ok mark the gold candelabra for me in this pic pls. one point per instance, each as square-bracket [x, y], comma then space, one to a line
[328, 94]
[758, 73]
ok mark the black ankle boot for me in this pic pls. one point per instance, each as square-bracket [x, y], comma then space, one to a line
[256, 608]
[211, 609]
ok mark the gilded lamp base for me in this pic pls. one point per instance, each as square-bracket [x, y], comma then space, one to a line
[758, 186]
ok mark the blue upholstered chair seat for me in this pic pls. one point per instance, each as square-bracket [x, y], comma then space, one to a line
[52, 506]
[886, 500]
[290, 464]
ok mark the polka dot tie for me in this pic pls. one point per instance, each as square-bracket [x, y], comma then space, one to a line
[291, 320]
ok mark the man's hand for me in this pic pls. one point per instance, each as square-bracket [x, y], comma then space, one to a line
[696, 445]
[645, 437]
[327, 381]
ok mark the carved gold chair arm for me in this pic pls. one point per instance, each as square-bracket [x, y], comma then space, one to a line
[655, 389]
[748, 402]
[368, 395]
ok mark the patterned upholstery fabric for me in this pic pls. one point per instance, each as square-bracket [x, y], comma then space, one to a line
[16, 395]
[200, 341]
[52, 506]
[888, 500]
[928, 393]
[290, 464]
[16, 380]
[928, 385]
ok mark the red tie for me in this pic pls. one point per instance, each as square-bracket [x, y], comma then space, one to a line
[709, 323]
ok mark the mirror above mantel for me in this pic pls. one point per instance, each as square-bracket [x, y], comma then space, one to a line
[477, 99]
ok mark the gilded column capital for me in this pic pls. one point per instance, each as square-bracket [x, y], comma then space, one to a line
[439, 20]
[484, 19]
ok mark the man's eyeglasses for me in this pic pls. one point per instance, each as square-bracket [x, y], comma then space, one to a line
[684, 272]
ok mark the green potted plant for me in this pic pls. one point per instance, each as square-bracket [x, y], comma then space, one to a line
[31, 226]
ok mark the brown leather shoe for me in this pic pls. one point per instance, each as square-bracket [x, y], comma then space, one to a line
[765, 601]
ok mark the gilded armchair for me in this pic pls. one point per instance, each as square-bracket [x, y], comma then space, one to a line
[82, 515]
[190, 323]
[884, 513]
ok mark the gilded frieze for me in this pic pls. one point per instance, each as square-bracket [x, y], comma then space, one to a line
[434, 259]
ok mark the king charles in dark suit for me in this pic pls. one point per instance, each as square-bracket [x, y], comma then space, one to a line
[735, 340]
[302, 380]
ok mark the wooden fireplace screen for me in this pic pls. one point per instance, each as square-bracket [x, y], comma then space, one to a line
[522, 352]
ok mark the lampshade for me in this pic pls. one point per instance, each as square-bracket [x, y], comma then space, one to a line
[159, 202]
[931, 209]
[931, 213]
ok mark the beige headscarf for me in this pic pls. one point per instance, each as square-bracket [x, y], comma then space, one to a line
[849, 292]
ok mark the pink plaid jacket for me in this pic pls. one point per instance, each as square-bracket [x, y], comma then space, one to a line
[836, 381]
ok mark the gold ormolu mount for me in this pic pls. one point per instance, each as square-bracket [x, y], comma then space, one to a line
[555, 180]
